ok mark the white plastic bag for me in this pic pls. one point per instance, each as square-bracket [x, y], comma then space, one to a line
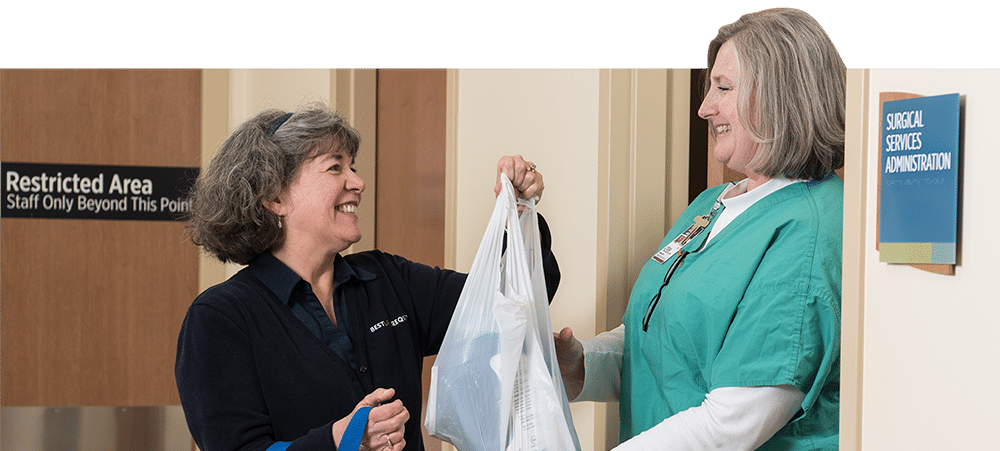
[495, 385]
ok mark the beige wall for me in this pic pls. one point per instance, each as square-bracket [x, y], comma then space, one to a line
[549, 117]
[253, 90]
[929, 341]
[852, 319]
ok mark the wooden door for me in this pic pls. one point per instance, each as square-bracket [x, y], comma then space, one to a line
[410, 160]
[91, 307]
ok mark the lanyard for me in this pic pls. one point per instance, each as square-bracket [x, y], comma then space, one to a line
[700, 224]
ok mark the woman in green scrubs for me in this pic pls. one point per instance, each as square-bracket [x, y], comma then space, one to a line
[731, 338]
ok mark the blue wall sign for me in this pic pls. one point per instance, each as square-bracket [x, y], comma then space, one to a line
[918, 217]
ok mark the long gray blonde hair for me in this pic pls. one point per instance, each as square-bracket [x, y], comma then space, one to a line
[792, 92]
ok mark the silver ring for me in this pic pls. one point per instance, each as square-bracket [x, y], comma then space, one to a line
[388, 441]
[531, 167]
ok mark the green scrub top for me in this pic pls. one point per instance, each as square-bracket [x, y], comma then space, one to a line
[758, 305]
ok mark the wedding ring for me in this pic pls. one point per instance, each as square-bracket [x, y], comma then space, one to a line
[388, 441]
[531, 167]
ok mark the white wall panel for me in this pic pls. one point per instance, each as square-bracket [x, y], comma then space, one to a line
[930, 341]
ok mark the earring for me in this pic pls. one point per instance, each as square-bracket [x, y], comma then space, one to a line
[279, 221]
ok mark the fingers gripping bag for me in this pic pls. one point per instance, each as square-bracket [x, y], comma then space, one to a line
[495, 385]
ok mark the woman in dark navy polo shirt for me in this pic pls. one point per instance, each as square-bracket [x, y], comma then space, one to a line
[282, 354]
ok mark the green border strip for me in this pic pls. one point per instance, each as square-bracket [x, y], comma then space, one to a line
[917, 253]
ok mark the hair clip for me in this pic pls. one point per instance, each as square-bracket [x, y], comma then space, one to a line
[277, 124]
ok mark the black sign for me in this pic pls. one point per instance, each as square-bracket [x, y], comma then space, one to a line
[69, 191]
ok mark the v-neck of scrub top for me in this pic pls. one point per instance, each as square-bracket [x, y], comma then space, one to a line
[740, 203]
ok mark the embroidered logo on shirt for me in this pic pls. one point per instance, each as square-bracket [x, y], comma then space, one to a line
[392, 323]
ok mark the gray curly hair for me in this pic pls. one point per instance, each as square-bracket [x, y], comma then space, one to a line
[254, 164]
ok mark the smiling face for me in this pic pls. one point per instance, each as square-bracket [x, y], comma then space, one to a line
[318, 207]
[733, 146]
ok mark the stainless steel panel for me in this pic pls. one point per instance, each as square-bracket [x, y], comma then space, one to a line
[81, 428]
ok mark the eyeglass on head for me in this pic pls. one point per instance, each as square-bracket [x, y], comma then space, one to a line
[666, 280]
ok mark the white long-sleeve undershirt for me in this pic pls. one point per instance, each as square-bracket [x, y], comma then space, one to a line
[730, 418]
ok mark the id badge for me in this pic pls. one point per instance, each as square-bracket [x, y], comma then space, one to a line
[700, 223]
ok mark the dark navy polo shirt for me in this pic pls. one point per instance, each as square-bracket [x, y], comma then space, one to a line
[298, 295]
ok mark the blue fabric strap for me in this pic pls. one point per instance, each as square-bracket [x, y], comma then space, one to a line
[351, 441]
